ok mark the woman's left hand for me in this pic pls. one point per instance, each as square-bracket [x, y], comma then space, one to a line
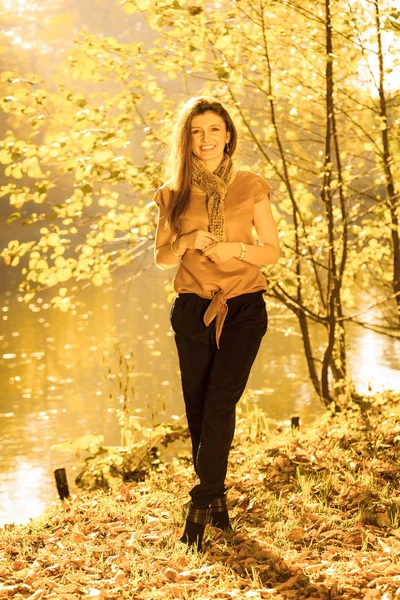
[220, 252]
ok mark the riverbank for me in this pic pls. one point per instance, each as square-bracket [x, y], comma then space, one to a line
[316, 514]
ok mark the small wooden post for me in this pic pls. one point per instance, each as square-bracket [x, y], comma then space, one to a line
[61, 483]
[295, 422]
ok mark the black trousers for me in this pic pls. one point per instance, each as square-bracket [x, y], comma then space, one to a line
[213, 380]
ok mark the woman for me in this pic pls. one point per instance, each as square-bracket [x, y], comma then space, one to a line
[206, 213]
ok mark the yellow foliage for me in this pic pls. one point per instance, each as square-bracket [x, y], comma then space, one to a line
[87, 250]
[97, 279]
[89, 144]
[53, 239]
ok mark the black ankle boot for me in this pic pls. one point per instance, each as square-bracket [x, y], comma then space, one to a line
[219, 514]
[195, 525]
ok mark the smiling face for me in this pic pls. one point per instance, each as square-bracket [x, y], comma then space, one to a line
[209, 136]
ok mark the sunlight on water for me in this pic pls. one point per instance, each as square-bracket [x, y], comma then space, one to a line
[372, 369]
[21, 500]
[55, 387]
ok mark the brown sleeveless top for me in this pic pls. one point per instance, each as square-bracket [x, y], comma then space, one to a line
[198, 274]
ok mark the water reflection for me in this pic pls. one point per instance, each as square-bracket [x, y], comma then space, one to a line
[24, 500]
[373, 360]
[53, 384]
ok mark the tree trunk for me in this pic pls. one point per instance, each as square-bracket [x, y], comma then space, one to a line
[326, 197]
[391, 196]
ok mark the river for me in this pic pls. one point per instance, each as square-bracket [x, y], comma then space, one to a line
[53, 369]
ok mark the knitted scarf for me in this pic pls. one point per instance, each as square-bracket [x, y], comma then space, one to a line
[215, 186]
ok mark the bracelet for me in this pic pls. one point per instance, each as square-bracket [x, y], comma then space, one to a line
[173, 251]
[243, 251]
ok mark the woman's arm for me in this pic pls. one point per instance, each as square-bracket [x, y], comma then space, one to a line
[163, 255]
[265, 253]
[169, 248]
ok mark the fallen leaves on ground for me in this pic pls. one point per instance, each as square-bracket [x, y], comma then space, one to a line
[316, 514]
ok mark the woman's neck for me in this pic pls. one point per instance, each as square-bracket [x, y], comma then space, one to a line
[212, 165]
[233, 177]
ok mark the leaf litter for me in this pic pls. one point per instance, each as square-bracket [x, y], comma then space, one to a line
[316, 514]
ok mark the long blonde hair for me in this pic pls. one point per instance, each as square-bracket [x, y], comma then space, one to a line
[179, 161]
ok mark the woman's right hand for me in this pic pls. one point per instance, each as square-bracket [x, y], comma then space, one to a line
[199, 239]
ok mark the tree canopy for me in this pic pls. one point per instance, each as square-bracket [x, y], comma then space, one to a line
[313, 88]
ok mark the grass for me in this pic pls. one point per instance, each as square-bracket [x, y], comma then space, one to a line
[315, 515]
